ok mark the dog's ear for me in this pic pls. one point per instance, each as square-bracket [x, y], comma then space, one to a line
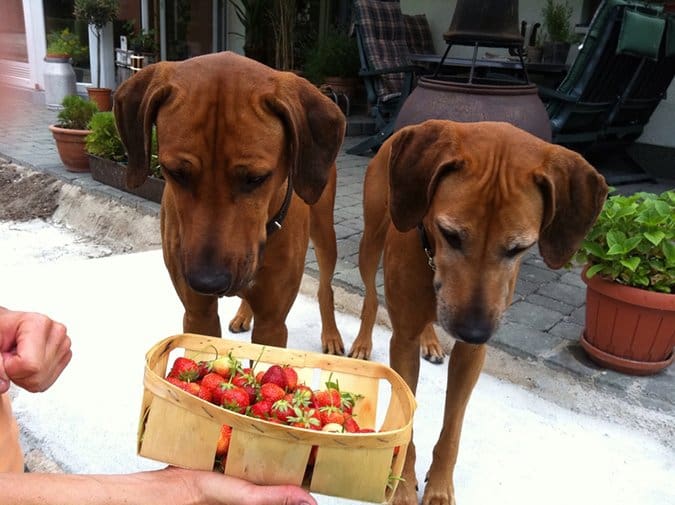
[136, 103]
[574, 193]
[419, 156]
[316, 128]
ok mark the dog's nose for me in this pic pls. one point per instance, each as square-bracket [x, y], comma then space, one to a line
[473, 331]
[211, 283]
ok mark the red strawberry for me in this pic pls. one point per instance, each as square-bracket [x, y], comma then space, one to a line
[302, 396]
[348, 400]
[282, 410]
[185, 369]
[327, 398]
[235, 399]
[204, 368]
[330, 415]
[271, 392]
[223, 441]
[212, 380]
[305, 418]
[291, 377]
[245, 379]
[205, 393]
[261, 409]
[218, 392]
[350, 425]
[225, 365]
[259, 376]
[275, 374]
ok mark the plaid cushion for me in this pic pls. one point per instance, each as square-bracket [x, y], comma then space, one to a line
[418, 34]
[383, 30]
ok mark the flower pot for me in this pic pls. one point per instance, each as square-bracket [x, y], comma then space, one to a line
[70, 145]
[114, 174]
[102, 97]
[60, 80]
[627, 329]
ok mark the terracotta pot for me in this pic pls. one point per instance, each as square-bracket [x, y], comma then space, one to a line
[114, 174]
[629, 330]
[102, 97]
[519, 105]
[342, 85]
[70, 145]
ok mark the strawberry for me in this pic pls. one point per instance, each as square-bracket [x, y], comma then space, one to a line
[225, 365]
[302, 396]
[212, 380]
[276, 375]
[205, 393]
[218, 393]
[204, 368]
[350, 425]
[282, 410]
[185, 369]
[329, 415]
[235, 399]
[291, 377]
[271, 392]
[348, 400]
[246, 379]
[223, 441]
[327, 398]
[304, 418]
[261, 409]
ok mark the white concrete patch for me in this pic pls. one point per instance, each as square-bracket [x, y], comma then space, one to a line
[517, 448]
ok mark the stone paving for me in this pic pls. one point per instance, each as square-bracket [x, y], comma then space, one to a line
[542, 325]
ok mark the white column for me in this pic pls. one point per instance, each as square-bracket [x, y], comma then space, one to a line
[36, 41]
[107, 56]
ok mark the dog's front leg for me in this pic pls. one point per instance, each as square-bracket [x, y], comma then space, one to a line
[466, 363]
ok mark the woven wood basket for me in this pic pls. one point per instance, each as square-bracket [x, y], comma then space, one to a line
[183, 430]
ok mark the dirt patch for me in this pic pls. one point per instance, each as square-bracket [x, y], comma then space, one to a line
[26, 195]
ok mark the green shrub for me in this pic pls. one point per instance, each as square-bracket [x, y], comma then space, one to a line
[65, 42]
[558, 21]
[633, 242]
[76, 113]
[336, 56]
[104, 140]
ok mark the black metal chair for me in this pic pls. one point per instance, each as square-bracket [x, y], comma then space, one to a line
[387, 71]
[619, 76]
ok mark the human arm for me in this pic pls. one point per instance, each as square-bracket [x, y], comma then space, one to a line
[34, 350]
[170, 486]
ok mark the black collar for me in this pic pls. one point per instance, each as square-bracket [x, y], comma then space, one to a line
[426, 245]
[275, 223]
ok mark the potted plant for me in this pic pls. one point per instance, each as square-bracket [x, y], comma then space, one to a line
[59, 75]
[97, 14]
[558, 31]
[107, 159]
[630, 276]
[70, 131]
[334, 62]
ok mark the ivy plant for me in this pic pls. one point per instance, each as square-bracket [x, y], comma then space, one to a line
[633, 242]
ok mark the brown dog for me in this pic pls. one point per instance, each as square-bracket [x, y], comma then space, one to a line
[480, 194]
[248, 154]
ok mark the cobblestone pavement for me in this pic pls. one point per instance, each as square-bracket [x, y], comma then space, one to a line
[543, 324]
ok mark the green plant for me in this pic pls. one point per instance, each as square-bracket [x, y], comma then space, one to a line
[67, 43]
[97, 14]
[104, 140]
[633, 242]
[558, 21]
[254, 17]
[336, 56]
[76, 113]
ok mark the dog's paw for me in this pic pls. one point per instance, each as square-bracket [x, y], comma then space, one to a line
[360, 351]
[435, 356]
[333, 347]
[240, 325]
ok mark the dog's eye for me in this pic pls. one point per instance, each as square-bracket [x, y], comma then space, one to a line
[178, 175]
[516, 250]
[452, 238]
[253, 181]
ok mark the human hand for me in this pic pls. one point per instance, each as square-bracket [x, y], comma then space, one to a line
[212, 488]
[34, 350]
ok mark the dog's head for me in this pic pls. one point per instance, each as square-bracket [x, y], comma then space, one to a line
[230, 133]
[485, 193]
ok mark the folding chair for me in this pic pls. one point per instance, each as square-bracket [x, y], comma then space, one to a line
[386, 68]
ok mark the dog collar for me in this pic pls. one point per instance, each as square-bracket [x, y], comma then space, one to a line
[275, 223]
[426, 245]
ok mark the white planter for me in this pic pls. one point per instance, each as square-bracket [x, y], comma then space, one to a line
[60, 80]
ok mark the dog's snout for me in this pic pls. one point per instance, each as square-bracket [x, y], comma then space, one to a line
[473, 331]
[210, 283]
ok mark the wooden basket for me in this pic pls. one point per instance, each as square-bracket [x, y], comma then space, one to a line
[183, 430]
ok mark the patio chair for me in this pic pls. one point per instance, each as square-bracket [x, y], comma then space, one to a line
[619, 76]
[387, 71]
